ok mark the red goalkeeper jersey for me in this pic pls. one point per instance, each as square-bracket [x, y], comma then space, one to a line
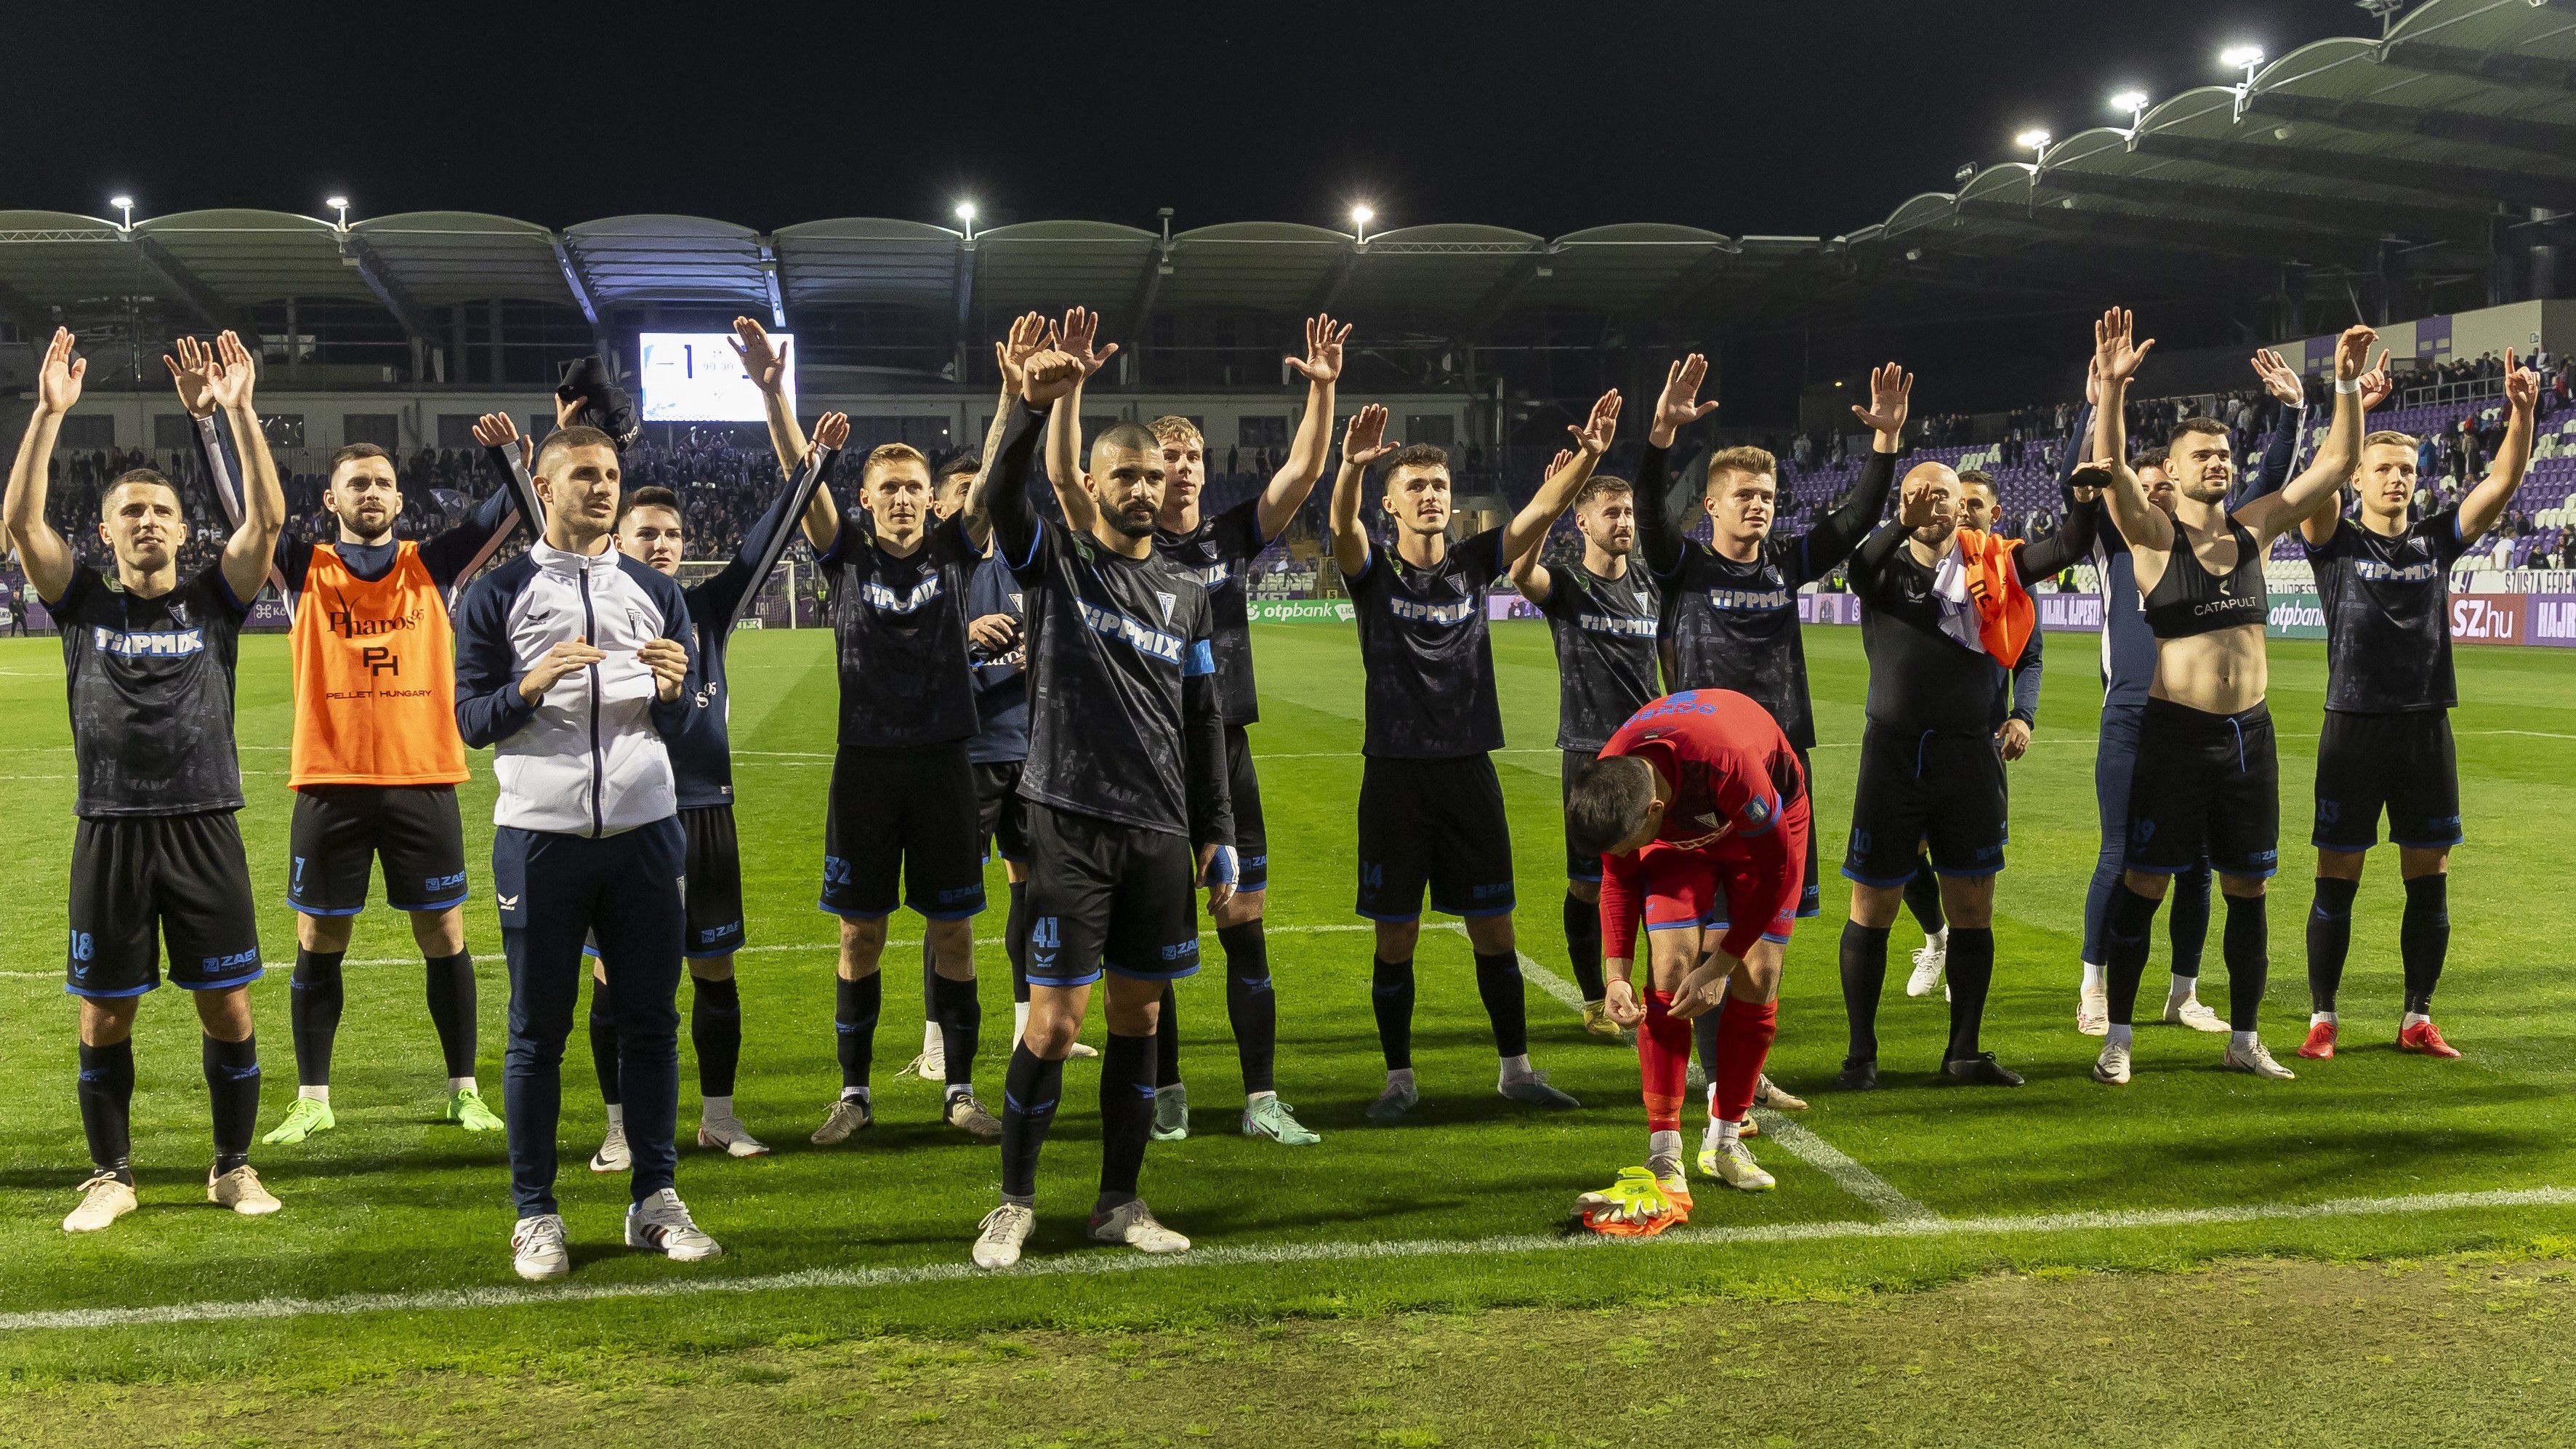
[1734, 777]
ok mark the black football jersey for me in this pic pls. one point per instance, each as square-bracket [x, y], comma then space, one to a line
[1429, 658]
[1219, 554]
[1604, 631]
[900, 628]
[2388, 615]
[151, 687]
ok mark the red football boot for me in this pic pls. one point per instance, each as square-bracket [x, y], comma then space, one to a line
[2425, 1039]
[2320, 1043]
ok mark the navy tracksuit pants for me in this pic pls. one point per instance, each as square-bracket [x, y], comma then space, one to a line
[624, 892]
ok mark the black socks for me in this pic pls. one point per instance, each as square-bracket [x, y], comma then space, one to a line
[313, 1014]
[1498, 981]
[1971, 971]
[2329, 939]
[854, 1019]
[232, 1083]
[2248, 949]
[1167, 1040]
[961, 1021]
[2187, 926]
[1923, 898]
[106, 1091]
[1126, 1116]
[715, 1029]
[1391, 994]
[1031, 1089]
[1249, 1002]
[2424, 938]
[451, 1010]
[1864, 969]
[2124, 941]
[1583, 945]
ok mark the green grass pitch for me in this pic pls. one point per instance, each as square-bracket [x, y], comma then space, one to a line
[396, 1203]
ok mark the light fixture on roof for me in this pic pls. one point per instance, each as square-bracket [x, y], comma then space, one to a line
[124, 204]
[2134, 102]
[1361, 216]
[339, 204]
[2035, 141]
[2247, 58]
[1967, 172]
[966, 214]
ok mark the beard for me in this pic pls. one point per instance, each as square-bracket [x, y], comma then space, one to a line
[1133, 521]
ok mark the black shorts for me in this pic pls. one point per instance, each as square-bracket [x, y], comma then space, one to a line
[1108, 897]
[711, 880]
[1915, 789]
[899, 829]
[2403, 763]
[184, 873]
[2204, 782]
[1438, 822]
[1811, 890]
[1251, 835]
[1579, 864]
[1001, 816]
[341, 831]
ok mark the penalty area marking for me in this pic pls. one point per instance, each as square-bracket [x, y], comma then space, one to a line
[1091, 1264]
[1793, 1139]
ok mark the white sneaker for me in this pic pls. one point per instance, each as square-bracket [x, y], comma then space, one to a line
[1004, 1229]
[2111, 1069]
[2189, 1012]
[612, 1155]
[661, 1222]
[2256, 1060]
[1733, 1165]
[104, 1199]
[930, 1066]
[1929, 959]
[729, 1134]
[1132, 1223]
[241, 1191]
[537, 1249]
[2093, 1010]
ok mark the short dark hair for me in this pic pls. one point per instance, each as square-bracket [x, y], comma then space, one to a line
[352, 453]
[2156, 458]
[1126, 437]
[1610, 799]
[1981, 478]
[1597, 485]
[2198, 425]
[564, 440]
[968, 461]
[1415, 455]
[152, 476]
[652, 495]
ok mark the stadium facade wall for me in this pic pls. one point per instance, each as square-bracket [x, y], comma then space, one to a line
[2522, 326]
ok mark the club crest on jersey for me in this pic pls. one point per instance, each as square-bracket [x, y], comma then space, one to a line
[1168, 601]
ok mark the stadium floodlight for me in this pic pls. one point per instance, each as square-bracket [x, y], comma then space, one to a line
[2247, 58]
[2135, 103]
[2035, 141]
[966, 214]
[339, 204]
[1361, 216]
[124, 204]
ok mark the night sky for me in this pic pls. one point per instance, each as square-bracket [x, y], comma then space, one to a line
[1741, 116]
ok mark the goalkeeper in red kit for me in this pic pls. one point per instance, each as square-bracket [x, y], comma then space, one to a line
[1700, 812]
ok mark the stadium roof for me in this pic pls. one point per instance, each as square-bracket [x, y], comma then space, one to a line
[2426, 156]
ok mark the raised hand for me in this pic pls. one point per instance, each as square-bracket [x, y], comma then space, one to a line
[2280, 379]
[1558, 463]
[1679, 406]
[1891, 397]
[496, 430]
[58, 380]
[231, 378]
[763, 360]
[2352, 351]
[1323, 359]
[2521, 385]
[1028, 338]
[1597, 430]
[2093, 381]
[1078, 338]
[2116, 350]
[2377, 384]
[1914, 506]
[832, 430]
[192, 372]
[1050, 375]
[1365, 441]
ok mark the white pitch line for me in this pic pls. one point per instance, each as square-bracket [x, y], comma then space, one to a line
[1793, 1139]
[1087, 1265]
